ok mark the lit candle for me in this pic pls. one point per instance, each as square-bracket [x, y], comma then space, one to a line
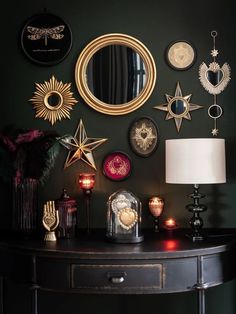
[86, 183]
[170, 223]
[86, 180]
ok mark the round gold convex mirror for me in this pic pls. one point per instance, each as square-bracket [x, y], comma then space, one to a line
[115, 74]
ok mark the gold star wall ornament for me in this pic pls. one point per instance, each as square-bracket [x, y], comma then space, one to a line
[83, 147]
[178, 107]
[53, 100]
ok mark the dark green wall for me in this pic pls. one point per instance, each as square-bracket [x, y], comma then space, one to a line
[156, 24]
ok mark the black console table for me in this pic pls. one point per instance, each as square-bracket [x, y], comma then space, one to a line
[162, 263]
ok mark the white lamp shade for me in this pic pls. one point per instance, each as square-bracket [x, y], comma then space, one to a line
[195, 161]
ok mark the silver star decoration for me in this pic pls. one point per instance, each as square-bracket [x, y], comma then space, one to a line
[214, 53]
[177, 103]
[214, 132]
[81, 147]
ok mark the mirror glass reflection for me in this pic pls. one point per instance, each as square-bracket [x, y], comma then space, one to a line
[214, 77]
[178, 106]
[53, 100]
[215, 111]
[116, 74]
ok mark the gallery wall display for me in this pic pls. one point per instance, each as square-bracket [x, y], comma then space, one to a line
[46, 39]
[53, 100]
[180, 55]
[214, 79]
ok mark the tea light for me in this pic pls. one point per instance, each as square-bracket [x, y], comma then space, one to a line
[170, 224]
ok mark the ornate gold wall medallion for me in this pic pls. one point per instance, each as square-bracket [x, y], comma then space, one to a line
[178, 107]
[180, 55]
[53, 100]
[117, 166]
[143, 136]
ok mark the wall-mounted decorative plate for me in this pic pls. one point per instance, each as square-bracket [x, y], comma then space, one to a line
[143, 136]
[117, 166]
[46, 39]
[180, 55]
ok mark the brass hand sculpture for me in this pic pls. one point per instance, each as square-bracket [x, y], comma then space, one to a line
[50, 220]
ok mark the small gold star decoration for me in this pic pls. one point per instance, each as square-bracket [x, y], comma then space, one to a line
[53, 100]
[214, 52]
[178, 107]
[82, 147]
[215, 132]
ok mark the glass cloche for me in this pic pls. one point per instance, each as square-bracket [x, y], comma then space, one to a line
[124, 211]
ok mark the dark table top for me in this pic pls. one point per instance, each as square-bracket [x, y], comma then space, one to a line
[160, 245]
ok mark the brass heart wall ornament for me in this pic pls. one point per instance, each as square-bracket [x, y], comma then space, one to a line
[213, 77]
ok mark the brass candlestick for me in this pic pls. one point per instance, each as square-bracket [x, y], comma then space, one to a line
[156, 206]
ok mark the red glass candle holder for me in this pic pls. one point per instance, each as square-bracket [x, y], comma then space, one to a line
[156, 206]
[86, 183]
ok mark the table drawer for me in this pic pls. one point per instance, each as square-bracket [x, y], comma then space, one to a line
[112, 277]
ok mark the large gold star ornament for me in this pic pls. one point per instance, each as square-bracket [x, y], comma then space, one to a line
[82, 147]
[53, 100]
[178, 107]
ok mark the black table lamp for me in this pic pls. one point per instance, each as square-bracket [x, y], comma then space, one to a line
[195, 161]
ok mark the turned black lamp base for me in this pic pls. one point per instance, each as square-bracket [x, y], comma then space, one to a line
[156, 221]
[196, 222]
[87, 197]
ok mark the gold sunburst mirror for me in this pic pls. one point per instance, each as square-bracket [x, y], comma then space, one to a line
[53, 100]
[115, 74]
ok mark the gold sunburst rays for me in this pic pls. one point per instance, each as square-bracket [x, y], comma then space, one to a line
[53, 100]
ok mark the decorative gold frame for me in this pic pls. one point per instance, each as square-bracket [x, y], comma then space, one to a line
[172, 99]
[180, 55]
[90, 50]
[42, 105]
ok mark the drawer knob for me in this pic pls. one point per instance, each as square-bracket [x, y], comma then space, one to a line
[117, 279]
